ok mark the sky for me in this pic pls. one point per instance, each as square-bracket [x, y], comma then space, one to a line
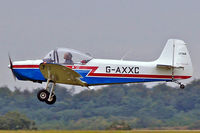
[29, 29]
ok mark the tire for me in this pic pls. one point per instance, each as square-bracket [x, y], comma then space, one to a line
[182, 86]
[43, 95]
[53, 100]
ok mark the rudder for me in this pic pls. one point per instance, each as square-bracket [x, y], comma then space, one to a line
[176, 55]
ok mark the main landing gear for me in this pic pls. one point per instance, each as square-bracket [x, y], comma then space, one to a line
[182, 86]
[47, 96]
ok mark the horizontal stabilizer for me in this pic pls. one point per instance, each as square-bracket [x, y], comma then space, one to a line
[162, 66]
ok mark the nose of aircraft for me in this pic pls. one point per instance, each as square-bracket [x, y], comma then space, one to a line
[11, 67]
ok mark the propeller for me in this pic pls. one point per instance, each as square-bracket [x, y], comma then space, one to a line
[11, 67]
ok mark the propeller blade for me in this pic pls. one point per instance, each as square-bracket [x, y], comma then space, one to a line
[11, 67]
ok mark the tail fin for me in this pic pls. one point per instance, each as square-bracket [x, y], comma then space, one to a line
[176, 55]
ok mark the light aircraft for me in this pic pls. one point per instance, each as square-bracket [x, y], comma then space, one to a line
[72, 67]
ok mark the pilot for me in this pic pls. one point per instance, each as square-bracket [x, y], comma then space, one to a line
[68, 58]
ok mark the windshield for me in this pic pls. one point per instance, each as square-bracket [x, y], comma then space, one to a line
[67, 56]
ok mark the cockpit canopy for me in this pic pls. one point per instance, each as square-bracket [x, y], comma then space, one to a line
[67, 56]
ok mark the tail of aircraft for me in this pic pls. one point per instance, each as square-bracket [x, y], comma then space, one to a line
[176, 57]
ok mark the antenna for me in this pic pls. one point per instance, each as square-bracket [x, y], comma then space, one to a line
[125, 55]
[173, 60]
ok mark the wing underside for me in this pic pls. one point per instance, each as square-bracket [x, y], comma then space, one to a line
[61, 74]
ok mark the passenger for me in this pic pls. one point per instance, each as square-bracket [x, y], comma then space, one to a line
[68, 58]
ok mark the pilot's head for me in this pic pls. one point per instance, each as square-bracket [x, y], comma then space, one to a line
[67, 56]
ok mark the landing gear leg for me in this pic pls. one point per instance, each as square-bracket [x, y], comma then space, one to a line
[88, 88]
[52, 97]
[47, 87]
[45, 95]
[182, 86]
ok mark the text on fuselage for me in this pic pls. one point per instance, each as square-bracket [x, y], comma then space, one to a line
[123, 70]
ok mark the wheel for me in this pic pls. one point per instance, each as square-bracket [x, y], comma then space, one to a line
[52, 100]
[182, 86]
[43, 95]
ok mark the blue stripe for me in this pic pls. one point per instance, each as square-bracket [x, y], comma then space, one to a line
[112, 80]
[29, 74]
[36, 75]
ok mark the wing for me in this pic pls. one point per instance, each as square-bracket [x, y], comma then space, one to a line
[61, 74]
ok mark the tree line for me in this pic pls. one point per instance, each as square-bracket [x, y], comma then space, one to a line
[133, 105]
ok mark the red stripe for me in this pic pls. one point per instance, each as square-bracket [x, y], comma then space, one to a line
[137, 75]
[25, 66]
[94, 68]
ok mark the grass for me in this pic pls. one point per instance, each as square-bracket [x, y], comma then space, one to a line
[101, 131]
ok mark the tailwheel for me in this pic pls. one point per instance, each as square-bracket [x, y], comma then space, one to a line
[182, 86]
[43, 95]
[51, 100]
